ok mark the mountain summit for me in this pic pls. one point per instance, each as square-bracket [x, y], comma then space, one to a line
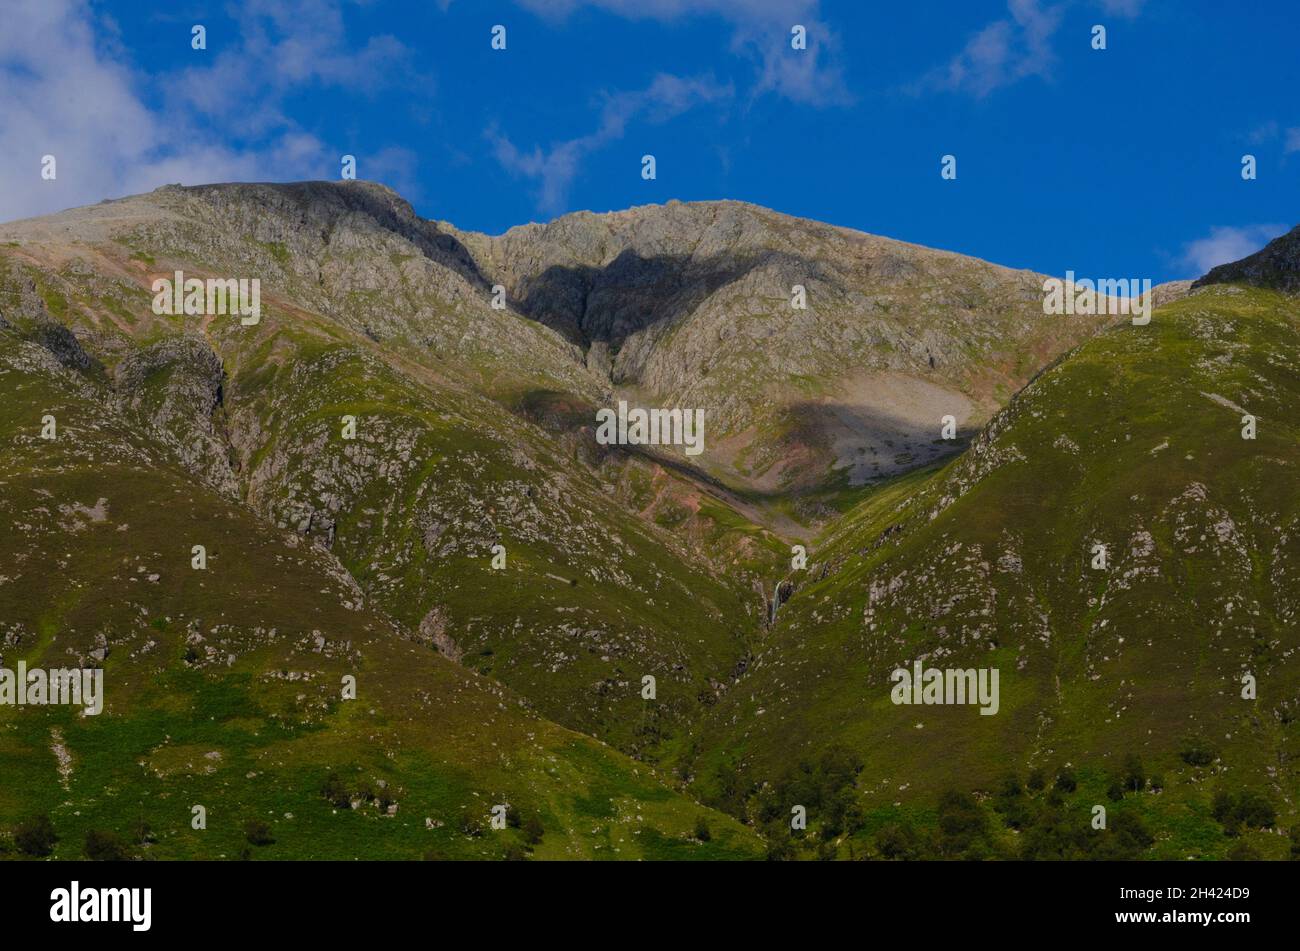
[1276, 266]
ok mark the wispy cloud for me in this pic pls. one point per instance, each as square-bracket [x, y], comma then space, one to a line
[760, 35]
[1267, 133]
[1011, 48]
[554, 168]
[1226, 244]
[295, 44]
[1001, 53]
[1124, 8]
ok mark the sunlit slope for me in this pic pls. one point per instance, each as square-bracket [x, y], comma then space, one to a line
[475, 530]
[1133, 442]
[606, 579]
[224, 685]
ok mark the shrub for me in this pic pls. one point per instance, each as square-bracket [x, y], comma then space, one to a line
[1135, 778]
[1196, 751]
[1065, 781]
[962, 823]
[1247, 809]
[1255, 811]
[702, 829]
[1128, 838]
[335, 792]
[258, 832]
[105, 847]
[35, 836]
[780, 847]
[1243, 852]
[470, 825]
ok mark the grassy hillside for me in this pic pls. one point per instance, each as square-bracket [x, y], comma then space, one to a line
[397, 481]
[601, 559]
[223, 686]
[1134, 442]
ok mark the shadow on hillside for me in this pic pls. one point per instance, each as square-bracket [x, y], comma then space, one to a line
[608, 304]
[322, 205]
[863, 444]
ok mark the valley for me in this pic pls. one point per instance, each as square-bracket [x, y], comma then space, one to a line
[397, 482]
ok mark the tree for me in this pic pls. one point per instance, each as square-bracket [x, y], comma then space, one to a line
[962, 823]
[1247, 809]
[702, 829]
[1255, 811]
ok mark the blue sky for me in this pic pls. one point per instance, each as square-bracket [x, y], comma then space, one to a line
[1122, 162]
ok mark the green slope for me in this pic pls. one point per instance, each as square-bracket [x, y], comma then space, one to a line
[1132, 442]
[223, 686]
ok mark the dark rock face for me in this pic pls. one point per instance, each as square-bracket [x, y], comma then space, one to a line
[175, 389]
[1276, 266]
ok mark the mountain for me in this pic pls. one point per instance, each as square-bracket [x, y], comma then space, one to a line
[1277, 266]
[223, 687]
[693, 304]
[394, 471]
[1133, 443]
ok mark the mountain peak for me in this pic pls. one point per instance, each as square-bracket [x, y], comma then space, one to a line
[1276, 266]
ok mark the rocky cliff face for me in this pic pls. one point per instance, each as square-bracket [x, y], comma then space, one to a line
[690, 305]
[695, 305]
[1275, 266]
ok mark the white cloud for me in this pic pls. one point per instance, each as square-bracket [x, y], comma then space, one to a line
[555, 168]
[67, 93]
[286, 45]
[1224, 245]
[1292, 141]
[1001, 53]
